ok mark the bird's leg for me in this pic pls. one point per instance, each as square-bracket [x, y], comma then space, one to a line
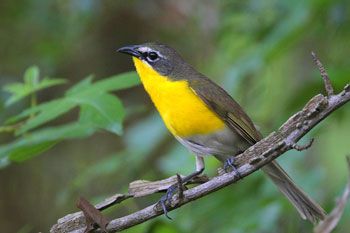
[173, 188]
[230, 164]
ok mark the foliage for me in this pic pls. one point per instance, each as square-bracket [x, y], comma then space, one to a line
[259, 51]
[98, 109]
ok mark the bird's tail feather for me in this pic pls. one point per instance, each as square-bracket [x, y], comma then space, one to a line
[307, 208]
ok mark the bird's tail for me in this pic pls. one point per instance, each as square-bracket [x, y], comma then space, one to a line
[307, 208]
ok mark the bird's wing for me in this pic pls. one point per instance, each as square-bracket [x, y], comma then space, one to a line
[234, 116]
[226, 108]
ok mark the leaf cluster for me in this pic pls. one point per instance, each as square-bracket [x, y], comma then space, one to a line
[98, 109]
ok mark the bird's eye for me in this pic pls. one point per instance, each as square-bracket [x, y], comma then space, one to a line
[152, 56]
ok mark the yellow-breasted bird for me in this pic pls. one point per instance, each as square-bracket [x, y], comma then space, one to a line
[205, 118]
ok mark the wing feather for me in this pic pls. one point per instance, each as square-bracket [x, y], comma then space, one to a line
[226, 108]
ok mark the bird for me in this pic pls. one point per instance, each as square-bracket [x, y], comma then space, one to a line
[205, 119]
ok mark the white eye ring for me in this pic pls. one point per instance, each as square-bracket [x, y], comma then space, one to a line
[152, 56]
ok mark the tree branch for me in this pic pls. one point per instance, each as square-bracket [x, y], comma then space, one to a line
[255, 157]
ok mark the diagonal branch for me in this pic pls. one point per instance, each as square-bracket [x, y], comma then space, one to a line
[255, 157]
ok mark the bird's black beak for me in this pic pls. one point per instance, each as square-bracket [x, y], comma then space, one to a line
[131, 50]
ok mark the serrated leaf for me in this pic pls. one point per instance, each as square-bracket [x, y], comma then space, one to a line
[47, 113]
[104, 111]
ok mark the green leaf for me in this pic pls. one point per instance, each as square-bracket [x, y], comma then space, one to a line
[23, 147]
[33, 110]
[118, 82]
[104, 111]
[49, 82]
[80, 86]
[83, 93]
[31, 76]
[17, 90]
[31, 84]
[26, 152]
[67, 131]
[98, 110]
[14, 88]
[114, 83]
[48, 112]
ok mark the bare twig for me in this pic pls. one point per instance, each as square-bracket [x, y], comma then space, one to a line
[327, 81]
[115, 199]
[140, 188]
[331, 221]
[180, 187]
[303, 147]
[92, 215]
[255, 157]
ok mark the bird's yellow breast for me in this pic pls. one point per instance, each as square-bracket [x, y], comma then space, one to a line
[183, 112]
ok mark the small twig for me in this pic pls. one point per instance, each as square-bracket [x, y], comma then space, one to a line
[140, 188]
[199, 179]
[327, 81]
[92, 216]
[180, 187]
[113, 200]
[297, 147]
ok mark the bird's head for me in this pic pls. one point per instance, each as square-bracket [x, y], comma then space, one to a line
[159, 57]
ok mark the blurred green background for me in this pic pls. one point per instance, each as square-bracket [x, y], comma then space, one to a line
[258, 50]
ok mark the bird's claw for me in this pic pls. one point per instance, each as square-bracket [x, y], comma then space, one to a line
[229, 165]
[178, 186]
[165, 199]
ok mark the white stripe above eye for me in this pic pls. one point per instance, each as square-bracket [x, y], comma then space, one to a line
[148, 49]
[144, 49]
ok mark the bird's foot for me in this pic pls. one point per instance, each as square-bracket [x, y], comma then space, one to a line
[177, 187]
[165, 199]
[229, 166]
